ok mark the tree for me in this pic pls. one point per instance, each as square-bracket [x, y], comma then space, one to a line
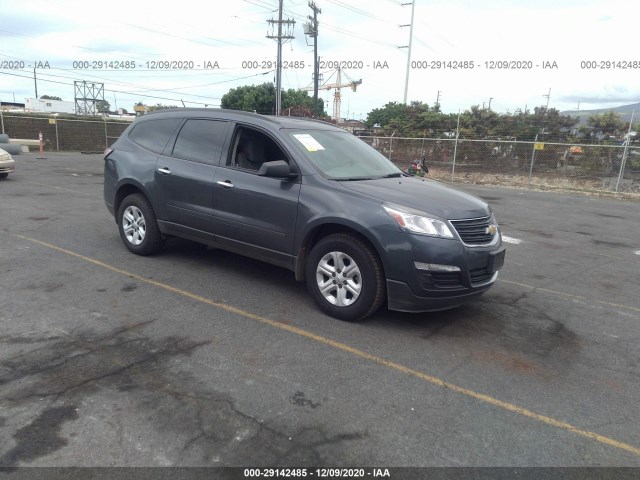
[251, 98]
[262, 99]
[604, 125]
[385, 115]
[50, 97]
[159, 106]
[302, 102]
[418, 119]
[413, 120]
[102, 106]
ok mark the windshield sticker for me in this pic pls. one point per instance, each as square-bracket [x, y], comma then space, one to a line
[310, 143]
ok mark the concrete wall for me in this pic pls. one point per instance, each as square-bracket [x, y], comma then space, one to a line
[72, 135]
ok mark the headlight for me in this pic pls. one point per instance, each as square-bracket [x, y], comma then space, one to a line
[414, 221]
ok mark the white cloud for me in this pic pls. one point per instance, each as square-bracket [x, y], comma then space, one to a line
[350, 30]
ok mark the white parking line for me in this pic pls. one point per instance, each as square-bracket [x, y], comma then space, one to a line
[515, 241]
[637, 252]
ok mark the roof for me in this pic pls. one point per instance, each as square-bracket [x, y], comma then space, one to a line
[237, 115]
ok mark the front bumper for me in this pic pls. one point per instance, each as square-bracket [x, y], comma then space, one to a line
[430, 274]
[402, 299]
[7, 166]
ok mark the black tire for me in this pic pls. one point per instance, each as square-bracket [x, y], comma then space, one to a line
[4, 175]
[369, 277]
[146, 238]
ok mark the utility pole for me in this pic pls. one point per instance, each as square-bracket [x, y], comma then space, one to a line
[311, 29]
[546, 111]
[406, 78]
[490, 98]
[548, 96]
[438, 98]
[35, 82]
[279, 38]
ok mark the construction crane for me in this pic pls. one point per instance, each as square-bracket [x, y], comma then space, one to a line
[338, 84]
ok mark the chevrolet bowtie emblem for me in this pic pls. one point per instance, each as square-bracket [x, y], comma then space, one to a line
[491, 230]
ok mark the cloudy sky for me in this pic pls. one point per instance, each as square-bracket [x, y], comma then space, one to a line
[459, 50]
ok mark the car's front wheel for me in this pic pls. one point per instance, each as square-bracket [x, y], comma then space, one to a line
[345, 277]
[138, 225]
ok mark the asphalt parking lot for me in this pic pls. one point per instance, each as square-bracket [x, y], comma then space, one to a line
[199, 357]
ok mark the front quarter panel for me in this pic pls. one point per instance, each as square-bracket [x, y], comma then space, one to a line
[320, 205]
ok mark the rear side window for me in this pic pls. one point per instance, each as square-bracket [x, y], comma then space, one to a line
[201, 141]
[154, 134]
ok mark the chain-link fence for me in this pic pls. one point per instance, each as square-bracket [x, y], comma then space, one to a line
[611, 168]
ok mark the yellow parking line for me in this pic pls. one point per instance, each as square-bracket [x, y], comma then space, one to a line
[58, 188]
[570, 295]
[356, 352]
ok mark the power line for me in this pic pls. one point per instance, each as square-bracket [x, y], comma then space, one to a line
[358, 10]
[264, 5]
[159, 32]
[347, 32]
[113, 91]
[141, 94]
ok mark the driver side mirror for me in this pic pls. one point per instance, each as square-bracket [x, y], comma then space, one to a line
[276, 169]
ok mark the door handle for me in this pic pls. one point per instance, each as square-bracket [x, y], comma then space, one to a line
[164, 171]
[226, 184]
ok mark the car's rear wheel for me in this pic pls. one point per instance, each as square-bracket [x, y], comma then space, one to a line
[4, 175]
[138, 225]
[345, 278]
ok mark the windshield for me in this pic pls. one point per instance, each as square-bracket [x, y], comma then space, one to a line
[342, 156]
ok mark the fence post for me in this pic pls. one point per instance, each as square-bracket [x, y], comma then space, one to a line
[106, 139]
[391, 144]
[2, 119]
[624, 155]
[455, 148]
[533, 156]
[57, 140]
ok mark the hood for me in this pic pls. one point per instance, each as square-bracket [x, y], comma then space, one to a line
[422, 194]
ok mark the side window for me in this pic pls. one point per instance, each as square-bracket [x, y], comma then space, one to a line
[154, 134]
[201, 141]
[252, 148]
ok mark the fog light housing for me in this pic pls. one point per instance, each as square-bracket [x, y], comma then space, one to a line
[435, 267]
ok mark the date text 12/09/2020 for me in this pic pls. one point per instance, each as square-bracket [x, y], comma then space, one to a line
[147, 65]
[263, 64]
[316, 472]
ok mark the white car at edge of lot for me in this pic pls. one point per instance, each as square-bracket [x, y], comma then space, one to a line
[7, 164]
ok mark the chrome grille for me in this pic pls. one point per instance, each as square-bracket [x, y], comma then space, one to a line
[474, 231]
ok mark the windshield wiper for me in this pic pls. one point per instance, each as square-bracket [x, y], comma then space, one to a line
[351, 179]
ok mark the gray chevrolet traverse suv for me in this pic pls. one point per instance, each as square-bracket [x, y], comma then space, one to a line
[303, 195]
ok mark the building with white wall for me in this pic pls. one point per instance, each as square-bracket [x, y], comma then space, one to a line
[48, 106]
